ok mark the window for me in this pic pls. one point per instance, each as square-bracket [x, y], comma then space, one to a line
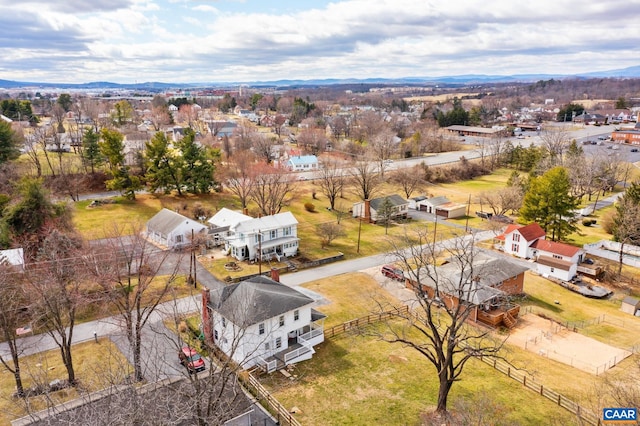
[257, 238]
[553, 270]
[278, 342]
[296, 315]
[178, 238]
[281, 320]
[555, 256]
[215, 334]
[266, 346]
[224, 322]
[286, 231]
[515, 247]
[261, 328]
[274, 234]
[516, 238]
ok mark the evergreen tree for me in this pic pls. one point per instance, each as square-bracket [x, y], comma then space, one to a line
[8, 149]
[549, 203]
[91, 150]
[164, 167]
[112, 148]
[197, 167]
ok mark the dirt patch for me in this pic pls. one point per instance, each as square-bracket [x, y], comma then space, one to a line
[549, 339]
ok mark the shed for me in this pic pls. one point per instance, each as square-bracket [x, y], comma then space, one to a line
[630, 305]
[172, 230]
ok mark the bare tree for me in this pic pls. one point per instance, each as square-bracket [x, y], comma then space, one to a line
[239, 176]
[135, 277]
[555, 141]
[13, 306]
[382, 147]
[365, 178]
[410, 179]
[503, 200]
[56, 285]
[329, 231]
[262, 146]
[444, 301]
[272, 189]
[331, 180]
[313, 140]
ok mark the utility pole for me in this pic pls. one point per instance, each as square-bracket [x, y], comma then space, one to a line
[259, 252]
[359, 229]
[466, 225]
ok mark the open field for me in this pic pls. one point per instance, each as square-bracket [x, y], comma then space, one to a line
[96, 366]
[360, 380]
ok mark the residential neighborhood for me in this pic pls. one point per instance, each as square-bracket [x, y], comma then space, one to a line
[222, 238]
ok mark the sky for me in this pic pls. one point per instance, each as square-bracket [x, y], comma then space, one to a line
[198, 41]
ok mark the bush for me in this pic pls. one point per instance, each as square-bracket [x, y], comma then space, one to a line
[587, 222]
[310, 207]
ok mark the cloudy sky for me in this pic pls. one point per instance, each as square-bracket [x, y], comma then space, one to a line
[127, 41]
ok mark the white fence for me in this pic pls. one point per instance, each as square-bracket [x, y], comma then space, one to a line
[611, 250]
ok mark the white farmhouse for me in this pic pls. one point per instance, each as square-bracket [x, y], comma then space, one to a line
[262, 322]
[274, 236]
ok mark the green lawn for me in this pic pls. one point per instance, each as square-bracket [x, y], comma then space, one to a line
[622, 331]
[97, 366]
[358, 380]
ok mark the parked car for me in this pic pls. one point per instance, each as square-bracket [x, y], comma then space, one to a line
[393, 272]
[191, 360]
[501, 218]
[634, 149]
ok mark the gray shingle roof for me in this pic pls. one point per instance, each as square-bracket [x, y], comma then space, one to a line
[255, 300]
[395, 199]
[486, 274]
[166, 221]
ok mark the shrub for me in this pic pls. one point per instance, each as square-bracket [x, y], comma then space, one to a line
[587, 222]
[310, 207]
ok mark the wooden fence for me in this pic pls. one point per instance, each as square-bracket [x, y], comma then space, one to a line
[282, 415]
[504, 367]
[362, 321]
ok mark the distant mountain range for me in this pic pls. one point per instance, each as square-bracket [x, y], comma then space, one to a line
[631, 72]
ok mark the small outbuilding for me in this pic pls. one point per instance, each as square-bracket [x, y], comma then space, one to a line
[630, 305]
[172, 230]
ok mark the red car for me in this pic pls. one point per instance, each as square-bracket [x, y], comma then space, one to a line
[191, 359]
[392, 272]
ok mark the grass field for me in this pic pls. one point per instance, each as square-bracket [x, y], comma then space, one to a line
[358, 380]
[96, 366]
[619, 329]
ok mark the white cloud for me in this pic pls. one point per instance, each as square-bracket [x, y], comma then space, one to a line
[213, 40]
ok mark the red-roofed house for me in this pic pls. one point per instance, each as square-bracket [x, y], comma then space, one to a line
[558, 260]
[554, 259]
[518, 239]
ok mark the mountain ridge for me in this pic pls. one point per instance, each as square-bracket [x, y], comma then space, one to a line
[629, 72]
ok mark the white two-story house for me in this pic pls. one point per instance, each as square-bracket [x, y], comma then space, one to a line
[274, 236]
[262, 322]
[554, 259]
[557, 260]
[518, 239]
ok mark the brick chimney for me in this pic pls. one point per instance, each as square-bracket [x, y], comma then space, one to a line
[275, 275]
[245, 211]
[367, 211]
[206, 319]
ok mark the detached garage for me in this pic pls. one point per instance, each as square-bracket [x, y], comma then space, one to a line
[451, 210]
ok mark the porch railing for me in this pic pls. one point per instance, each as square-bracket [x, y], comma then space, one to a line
[305, 348]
